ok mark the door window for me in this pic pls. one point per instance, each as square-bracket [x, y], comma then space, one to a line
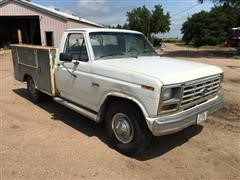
[76, 46]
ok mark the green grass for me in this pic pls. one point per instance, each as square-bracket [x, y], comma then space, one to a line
[218, 47]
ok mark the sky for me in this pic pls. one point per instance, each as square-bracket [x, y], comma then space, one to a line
[113, 12]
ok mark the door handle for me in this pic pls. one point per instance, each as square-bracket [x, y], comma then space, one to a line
[95, 84]
[76, 63]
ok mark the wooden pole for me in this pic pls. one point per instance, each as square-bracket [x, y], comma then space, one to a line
[19, 36]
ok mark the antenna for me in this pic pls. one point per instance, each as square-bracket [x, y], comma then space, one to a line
[188, 44]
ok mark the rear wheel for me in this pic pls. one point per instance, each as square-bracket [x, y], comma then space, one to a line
[35, 94]
[126, 127]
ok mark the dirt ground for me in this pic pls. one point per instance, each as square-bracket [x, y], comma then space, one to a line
[48, 141]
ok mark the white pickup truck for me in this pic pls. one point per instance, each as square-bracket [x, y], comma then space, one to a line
[115, 76]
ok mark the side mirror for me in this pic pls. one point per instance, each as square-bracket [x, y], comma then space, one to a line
[65, 57]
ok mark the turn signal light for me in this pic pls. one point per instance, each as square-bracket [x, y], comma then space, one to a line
[168, 107]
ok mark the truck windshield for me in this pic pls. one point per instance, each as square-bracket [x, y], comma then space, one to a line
[108, 45]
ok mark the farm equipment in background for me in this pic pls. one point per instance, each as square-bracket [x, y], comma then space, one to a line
[234, 41]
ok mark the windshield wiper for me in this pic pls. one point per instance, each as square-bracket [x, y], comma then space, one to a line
[133, 56]
[111, 55]
[125, 55]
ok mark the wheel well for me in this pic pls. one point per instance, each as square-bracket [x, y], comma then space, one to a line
[25, 77]
[112, 99]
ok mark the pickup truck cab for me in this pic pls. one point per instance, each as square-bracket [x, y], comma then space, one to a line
[116, 77]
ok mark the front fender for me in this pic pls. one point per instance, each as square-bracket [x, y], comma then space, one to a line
[125, 96]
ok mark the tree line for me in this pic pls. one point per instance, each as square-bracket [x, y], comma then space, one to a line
[147, 21]
[203, 28]
[213, 27]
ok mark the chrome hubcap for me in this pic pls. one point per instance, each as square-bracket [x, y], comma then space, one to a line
[122, 128]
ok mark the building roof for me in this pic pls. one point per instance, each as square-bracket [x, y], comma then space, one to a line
[51, 11]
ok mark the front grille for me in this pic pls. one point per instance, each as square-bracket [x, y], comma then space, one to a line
[199, 91]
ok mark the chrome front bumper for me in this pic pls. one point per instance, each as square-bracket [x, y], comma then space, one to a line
[174, 123]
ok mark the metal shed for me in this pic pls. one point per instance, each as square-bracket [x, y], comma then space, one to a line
[31, 23]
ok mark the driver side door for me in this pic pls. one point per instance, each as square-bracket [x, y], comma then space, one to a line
[73, 79]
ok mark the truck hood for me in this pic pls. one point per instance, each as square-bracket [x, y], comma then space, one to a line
[167, 70]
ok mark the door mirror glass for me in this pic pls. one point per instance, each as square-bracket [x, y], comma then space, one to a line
[65, 57]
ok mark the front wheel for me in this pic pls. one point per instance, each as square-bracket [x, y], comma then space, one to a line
[126, 127]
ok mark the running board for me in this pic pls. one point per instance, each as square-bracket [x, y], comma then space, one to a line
[76, 108]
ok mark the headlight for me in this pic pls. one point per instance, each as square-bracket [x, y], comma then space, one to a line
[171, 93]
[167, 94]
[170, 98]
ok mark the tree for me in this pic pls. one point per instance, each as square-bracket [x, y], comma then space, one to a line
[211, 28]
[160, 22]
[194, 29]
[118, 26]
[148, 22]
[139, 19]
[224, 2]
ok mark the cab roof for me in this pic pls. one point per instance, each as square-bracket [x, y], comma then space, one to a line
[89, 30]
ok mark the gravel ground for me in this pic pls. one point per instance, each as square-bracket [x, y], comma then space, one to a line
[48, 141]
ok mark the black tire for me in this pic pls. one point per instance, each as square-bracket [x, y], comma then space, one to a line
[141, 137]
[35, 95]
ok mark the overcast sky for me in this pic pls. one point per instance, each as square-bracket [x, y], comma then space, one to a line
[113, 12]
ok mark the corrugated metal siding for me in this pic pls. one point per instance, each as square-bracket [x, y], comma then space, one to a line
[74, 24]
[47, 22]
